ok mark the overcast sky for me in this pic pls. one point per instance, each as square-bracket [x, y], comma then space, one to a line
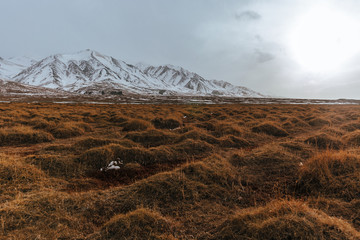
[241, 41]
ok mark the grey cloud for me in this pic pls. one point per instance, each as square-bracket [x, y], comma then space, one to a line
[247, 16]
[262, 57]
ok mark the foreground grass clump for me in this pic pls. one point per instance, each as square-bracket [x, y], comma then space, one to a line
[139, 224]
[23, 135]
[332, 173]
[285, 220]
[17, 177]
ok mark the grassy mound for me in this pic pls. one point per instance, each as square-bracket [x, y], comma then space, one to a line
[139, 224]
[55, 166]
[97, 158]
[285, 220]
[224, 129]
[151, 138]
[209, 126]
[332, 173]
[351, 126]
[100, 157]
[41, 123]
[23, 135]
[15, 177]
[165, 123]
[193, 148]
[353, 138]
[270, 129]
[233, 142]
[213, 179]
[91, 142]
[198, 134]
[318, 122]
[265, 168]
[42, 214]
[294, 123]
[324, 141]
[135, 125]
[70, 129]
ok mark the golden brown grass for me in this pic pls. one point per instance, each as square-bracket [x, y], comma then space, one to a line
[285, 220]
[332, 173]
[91, 171]
[22, 135]
[139, 224]
[270, 129]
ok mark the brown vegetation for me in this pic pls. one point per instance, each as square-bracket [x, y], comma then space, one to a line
[285, 220]
[270, 129]
[91, 171]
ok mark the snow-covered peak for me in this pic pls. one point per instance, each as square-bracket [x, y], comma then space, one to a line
[91, 72]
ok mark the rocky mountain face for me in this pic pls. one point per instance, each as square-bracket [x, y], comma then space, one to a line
[91, 72]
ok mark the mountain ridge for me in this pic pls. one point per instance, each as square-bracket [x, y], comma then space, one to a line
[89, 71]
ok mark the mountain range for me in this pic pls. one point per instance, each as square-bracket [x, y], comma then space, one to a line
[90, 72]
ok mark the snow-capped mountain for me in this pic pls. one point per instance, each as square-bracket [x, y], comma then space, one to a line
[94, 73]
[192, 82]
[83, 70]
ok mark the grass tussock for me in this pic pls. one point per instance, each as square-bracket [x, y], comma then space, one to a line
[352, 139]
[294, 123]
[152, 138]
[139, 224]
[23, 135]
[55, 166]
[92, 142]
[234, 142]
[16, 178]
[318, 122]
[199, 134]
[285, 220]
[270, 129]
[135, 125]
[353, 126]
[332, 173]
[70, 129]
[168, 123]
[324, 141]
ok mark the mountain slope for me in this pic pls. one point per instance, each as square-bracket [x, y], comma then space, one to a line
[92, 72]
[83, 69]
[192, 82]
[15, 88]
[12, 66]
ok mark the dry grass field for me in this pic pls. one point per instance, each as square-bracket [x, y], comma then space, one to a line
[122, 171]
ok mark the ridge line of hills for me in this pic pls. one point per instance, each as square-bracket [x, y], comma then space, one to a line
[90, 72]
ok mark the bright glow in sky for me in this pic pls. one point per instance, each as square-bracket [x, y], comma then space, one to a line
[297, 48]
[324, 39]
